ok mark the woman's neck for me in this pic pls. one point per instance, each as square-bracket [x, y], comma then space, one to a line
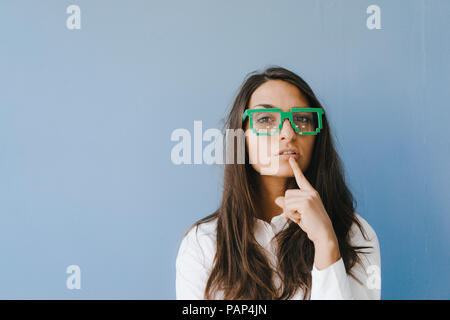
[270, 187]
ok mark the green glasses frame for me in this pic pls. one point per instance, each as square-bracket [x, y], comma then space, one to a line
[284, 115]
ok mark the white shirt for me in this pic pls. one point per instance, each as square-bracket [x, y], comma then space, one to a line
[197, 251]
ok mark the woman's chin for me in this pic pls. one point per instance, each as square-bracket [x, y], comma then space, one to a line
[285, 172]
[282, 171]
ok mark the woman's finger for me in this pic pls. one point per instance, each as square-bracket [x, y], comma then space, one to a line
[295, 205]
[279, 201]
[294, 216]
[302, 182]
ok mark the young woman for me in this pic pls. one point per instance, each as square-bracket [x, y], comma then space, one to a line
[286, 226]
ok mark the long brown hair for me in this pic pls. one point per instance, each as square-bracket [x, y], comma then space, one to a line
[240, 268]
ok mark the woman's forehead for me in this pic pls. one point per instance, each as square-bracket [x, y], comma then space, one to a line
[278, 94]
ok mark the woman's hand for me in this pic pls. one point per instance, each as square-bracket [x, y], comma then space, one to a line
[304, 207]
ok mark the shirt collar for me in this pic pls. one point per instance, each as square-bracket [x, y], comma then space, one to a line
[265, 231]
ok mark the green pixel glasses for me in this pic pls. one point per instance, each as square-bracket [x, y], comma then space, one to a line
[268, 121]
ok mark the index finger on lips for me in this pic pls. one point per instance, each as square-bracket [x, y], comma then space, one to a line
[302, 182]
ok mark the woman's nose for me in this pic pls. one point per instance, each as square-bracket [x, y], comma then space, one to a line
[286, 130]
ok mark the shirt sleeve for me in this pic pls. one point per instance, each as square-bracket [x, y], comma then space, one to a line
[191, 272]
[334, 283]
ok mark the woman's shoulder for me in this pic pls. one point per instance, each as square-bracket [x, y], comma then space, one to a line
[367, 234]
[200, 240]
[203, 229]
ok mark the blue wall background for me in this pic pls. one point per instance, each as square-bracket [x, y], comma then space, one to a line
[86, 118]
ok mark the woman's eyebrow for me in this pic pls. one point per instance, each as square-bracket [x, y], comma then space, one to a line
[265, 105]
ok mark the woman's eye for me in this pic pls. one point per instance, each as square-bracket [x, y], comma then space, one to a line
[264, 119]
[302, 119]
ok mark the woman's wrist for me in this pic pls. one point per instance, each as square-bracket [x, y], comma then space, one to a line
[326, 251]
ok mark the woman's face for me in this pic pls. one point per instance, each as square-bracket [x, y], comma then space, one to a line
[264, 150]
